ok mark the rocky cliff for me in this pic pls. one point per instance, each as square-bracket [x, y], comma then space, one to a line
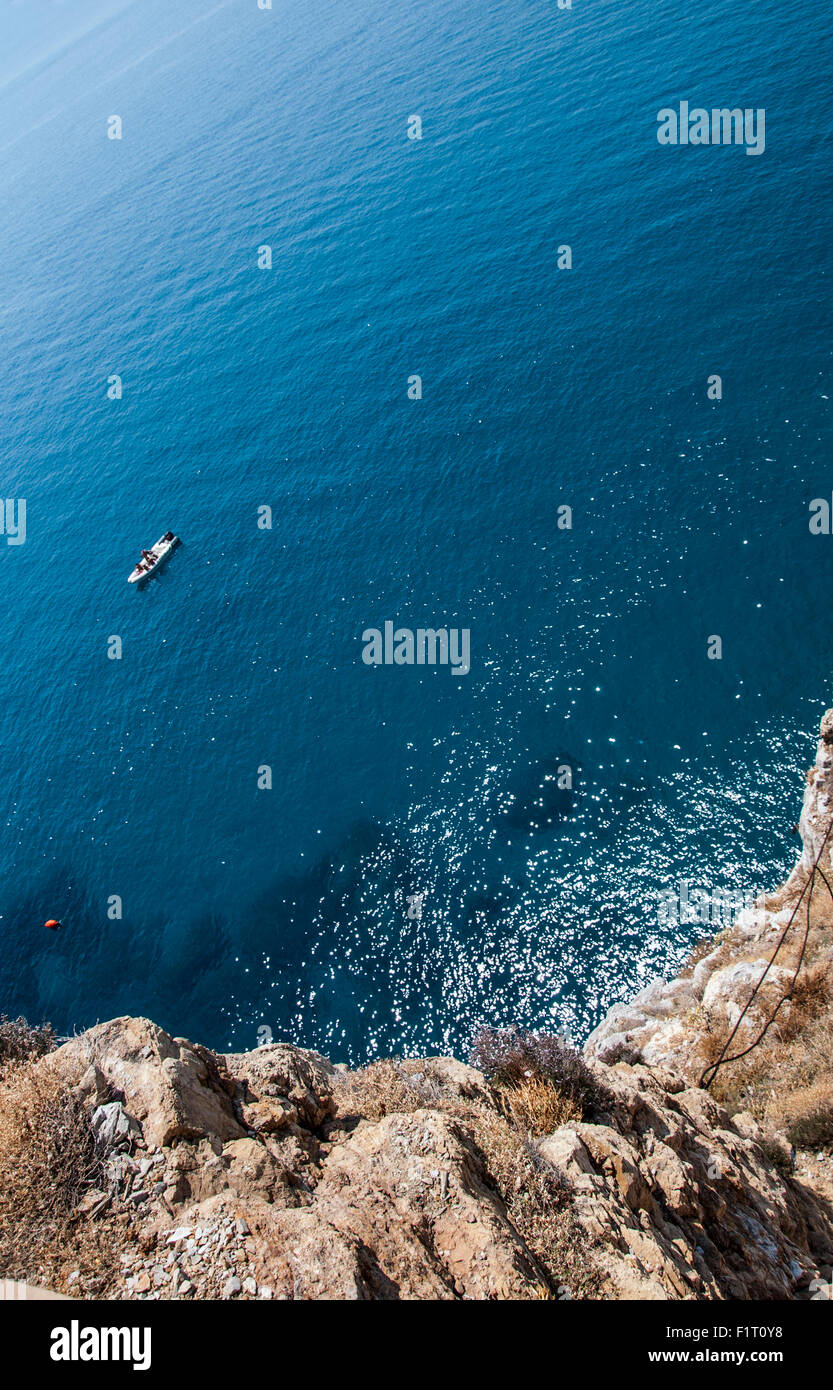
[138, 1165]
[738, 977]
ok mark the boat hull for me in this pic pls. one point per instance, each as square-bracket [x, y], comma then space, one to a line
[161, 551]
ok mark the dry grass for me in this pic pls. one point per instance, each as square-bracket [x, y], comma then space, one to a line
[537, 1107]
[810, 1000]
[513, 1058]
[807, 1114]
[778, 1154]
[384, 1088]
[786, 1082]
[712, 1041]
[20, 1041]
[48, 1161]
[536, 1198]
[539, 1205]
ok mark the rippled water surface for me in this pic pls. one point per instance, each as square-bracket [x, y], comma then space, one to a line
[289, 908]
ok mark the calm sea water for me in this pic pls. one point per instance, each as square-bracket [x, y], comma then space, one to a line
[138, 778]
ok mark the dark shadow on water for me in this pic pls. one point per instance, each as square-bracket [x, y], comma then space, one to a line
[544, 794]
[350, 955]
[343, 953]
[96, 968]
[555, 794]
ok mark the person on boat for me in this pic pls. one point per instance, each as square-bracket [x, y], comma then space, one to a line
[149, 556]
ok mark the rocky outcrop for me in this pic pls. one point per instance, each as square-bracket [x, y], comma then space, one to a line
[679, 1201]
[670, 1022]
[258, 1175]
[818, 806]
[173, 1088]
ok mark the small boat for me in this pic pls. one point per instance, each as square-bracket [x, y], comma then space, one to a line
[153, 559]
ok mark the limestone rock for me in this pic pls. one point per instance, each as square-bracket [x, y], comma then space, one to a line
[173, 1088]
[664, 1195]
[283, 1085]
[112, 1125]
[667, 1023]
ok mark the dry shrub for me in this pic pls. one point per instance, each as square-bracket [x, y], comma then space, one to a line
[539, 1107]
[512, 1058]
[20, 1041]
[538, 1201]
[808, 1115]
[777, 1154]
[810, 998]
[816, 1051]
[49, 1159]
[713, 1040]
[384, 1088]
[786, 1081]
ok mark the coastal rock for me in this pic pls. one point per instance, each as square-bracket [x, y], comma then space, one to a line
[661, 1196]
[112, 1125]
[413, 1189]
[727, 990]
[173, 1088]
[280, 1085]
[678, 1202]
[674, 1023]
[818, 805]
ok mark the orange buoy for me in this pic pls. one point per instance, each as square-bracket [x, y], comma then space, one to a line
[52, 924]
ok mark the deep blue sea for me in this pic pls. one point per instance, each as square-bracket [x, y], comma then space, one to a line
[137, 778]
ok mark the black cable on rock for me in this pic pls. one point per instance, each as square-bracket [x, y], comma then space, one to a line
[712, 1070]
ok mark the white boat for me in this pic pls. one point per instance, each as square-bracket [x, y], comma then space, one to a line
[153, 559]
